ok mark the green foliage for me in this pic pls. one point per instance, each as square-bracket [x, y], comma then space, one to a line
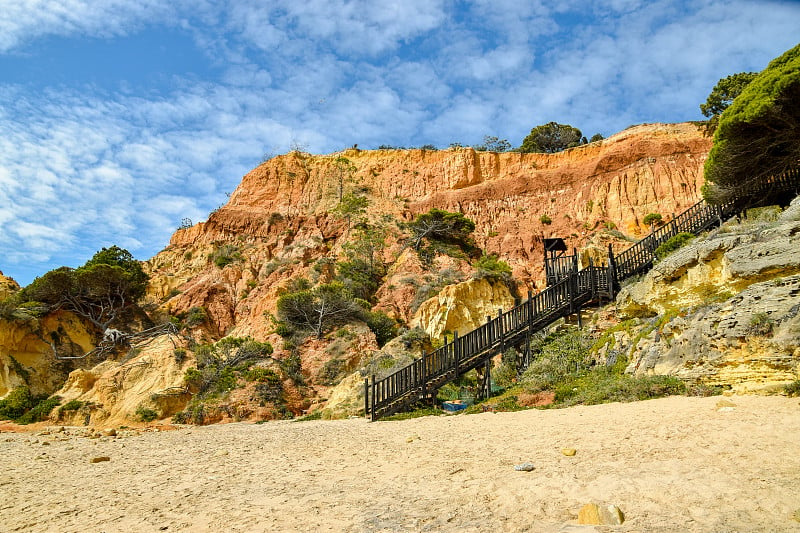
[725, 92]
[596, 137]
[793, 389]
[320, 309]
[561, 355]
[552, 137]
[546, 220]
[493, 144]
[493, 268]
[383, 326]
[757, 134]
[72, 405]
[760, 325]
[651, 219]
[226, 255]
[672, 244]
[443, 226]
[23, 407]
[196, 316]
[351, 207]
[40, 411]
[331, 372]
[16, 403]
[145, 414]
[292, 367]
[415, 336]
[602, 386]
[221, 365]
[99, 291]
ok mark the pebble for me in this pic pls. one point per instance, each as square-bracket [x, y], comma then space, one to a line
[569, 452]
[524, 467]
[99, 459]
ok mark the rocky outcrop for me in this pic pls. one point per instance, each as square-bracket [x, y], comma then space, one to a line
[111, 393]
[462, 307]
[7, 286]
[726, 309]
[750, 342]
[26, 356]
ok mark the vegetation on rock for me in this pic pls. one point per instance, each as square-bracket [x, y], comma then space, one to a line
[109, 283]
[552, 137]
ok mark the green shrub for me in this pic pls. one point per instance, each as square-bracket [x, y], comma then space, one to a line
[491, 267]
[546, 220]
[196, 316]
[40, 411]
[672, 244]
[793, 389]
[292, 367]
[16, 403]
[145, 414]
[331, 372]
[225, 255]
[651, 219]
[760, 325]
[72, 405]
[383, 326]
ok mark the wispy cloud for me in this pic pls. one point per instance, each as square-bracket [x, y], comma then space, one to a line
[82, 167]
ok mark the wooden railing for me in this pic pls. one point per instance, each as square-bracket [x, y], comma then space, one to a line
[570, 291]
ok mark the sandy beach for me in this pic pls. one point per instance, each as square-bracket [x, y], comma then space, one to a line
[673, 464]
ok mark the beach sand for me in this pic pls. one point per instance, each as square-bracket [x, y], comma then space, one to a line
[673, 464]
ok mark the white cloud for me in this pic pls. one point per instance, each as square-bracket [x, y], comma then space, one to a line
[21, 22]
[123, 168]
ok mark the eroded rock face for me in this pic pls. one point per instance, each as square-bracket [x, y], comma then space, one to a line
[112, 391]
[750, 342]
[7, 286]
[462, 307]
[280, 223]
[724, 263]
[726, 310]
[26, 356]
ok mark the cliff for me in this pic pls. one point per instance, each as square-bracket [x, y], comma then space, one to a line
[223, 277]
[726, 308]
[279, 221]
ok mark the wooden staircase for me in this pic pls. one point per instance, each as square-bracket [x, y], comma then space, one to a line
[569, 291]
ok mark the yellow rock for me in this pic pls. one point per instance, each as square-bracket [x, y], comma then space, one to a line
[569, 452]
[595, 514]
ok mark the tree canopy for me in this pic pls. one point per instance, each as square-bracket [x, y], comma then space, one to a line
[441, 225]
[552, 137]
[725, 92]
[319, 309]
[759, 133]
[98, 291]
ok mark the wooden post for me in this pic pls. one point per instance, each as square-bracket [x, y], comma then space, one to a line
[502, 332]
[366, 397]
[456, 353]
[372, 400]
[487, 377]
[612, 272]
[423, 378]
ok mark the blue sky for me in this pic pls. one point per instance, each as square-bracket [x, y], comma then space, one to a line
[119, 118]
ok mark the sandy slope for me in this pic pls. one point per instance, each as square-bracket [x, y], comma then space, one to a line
[675, 464]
